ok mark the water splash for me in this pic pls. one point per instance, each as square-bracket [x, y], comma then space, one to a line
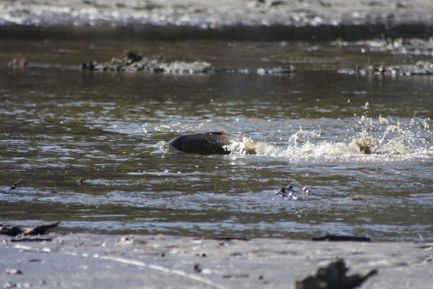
[370, 139]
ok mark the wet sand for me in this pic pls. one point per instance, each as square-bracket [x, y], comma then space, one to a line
[115, 261]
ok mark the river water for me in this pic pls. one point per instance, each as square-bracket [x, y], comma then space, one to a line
[89, 147]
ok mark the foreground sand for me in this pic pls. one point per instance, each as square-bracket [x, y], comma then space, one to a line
[115, 261]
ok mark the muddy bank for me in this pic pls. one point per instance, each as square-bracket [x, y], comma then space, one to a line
[102, 261]
[253, 19]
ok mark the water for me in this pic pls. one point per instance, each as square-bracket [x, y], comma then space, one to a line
[60, 126]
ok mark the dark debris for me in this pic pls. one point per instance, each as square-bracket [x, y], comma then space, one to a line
[333, 276]
[26, 231]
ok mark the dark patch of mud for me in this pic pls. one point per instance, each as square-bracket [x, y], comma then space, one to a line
[135, 62]
[419, 68]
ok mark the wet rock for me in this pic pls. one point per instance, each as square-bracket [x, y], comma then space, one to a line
[23, 238]
[341, 238]
[36, 230]
[244, 238]
[133, 61]
[334, 276]
[420, 68]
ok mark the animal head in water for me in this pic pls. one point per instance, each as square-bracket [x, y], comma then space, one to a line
[365, 144]
[207, 143]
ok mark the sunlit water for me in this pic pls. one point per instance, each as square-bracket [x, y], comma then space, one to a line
[90, 148]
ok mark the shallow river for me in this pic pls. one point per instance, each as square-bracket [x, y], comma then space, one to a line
[89, 147]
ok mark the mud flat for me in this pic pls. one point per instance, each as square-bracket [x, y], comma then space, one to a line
[115, 261]
[249, 19]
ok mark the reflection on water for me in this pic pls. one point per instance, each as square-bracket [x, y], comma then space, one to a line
[89, 147]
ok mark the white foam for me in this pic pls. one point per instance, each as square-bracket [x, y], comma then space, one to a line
[381, 139]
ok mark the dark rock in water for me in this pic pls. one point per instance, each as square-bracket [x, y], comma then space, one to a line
[36, 230]
[342, 238]
[333, 276]
[203, 143]
[420, 68]
[134, 62]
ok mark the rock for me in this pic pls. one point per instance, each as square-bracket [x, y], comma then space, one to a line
[133, 61]
[341, 238]
[36, 230]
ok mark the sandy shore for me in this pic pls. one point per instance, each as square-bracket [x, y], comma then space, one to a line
[114, 261]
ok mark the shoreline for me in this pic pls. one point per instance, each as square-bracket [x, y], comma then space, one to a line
[224, 19]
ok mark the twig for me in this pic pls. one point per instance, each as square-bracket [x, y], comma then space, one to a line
[14, 186]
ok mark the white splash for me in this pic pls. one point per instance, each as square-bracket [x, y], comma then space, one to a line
[380, 139]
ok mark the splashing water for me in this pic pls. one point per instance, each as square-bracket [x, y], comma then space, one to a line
[372, 140]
